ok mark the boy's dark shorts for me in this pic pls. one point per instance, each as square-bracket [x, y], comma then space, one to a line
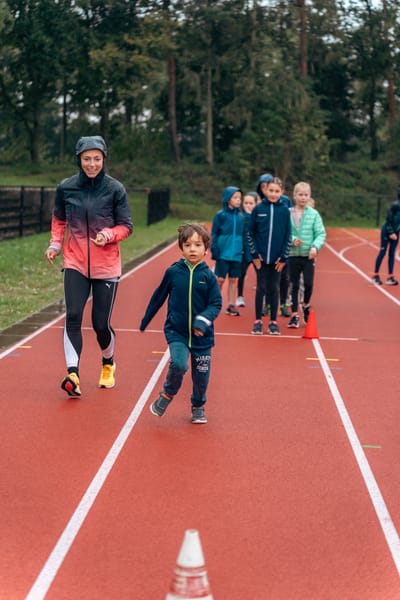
[232, 268]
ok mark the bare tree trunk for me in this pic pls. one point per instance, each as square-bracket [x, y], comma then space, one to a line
[374, 152]
[64, 126]
[166, 5]
[251, 50]
[34, 135]
[210, 150]
[303, 39]
[390, 78]
[172, 107]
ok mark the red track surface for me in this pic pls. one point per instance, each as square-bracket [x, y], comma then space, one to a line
[293, 484]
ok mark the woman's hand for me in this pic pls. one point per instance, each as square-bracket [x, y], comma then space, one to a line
[50, 255]
[99, 240]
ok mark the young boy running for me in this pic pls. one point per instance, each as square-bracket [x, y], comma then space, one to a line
[194, 302]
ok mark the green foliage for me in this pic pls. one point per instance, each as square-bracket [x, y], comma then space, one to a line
[224, 77]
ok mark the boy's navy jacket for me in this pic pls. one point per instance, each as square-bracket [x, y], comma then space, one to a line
[227, 230]
[194, 300]
[269, 233]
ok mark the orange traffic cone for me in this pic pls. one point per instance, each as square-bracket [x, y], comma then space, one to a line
[190, 581]
[311, 327]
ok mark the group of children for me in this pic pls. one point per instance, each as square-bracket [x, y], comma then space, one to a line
[263, 228]
[279, 237]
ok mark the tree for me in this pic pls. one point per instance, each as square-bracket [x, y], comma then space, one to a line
[31, 63]
[369, 64]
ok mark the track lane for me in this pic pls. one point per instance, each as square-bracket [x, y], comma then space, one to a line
[276, 494]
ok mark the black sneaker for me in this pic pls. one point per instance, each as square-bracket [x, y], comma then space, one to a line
[376, 280]
[257, 328]
[198, 415]
[294, 322]
[231, 310]
[285, 312]
[391, 281]
[306, 313]
[273, 328]
[160, 405]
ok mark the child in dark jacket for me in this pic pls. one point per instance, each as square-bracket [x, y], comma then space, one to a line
[248, 203]
[194, 302]
[269, 238]
[227, 244]
[389, 238]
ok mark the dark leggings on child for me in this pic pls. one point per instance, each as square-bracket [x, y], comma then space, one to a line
[77, 288]
[284, 284]
[385, 242]
[267, 286]
[245, 266]
[298, 265]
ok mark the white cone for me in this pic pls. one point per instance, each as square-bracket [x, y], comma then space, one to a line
[190, 581]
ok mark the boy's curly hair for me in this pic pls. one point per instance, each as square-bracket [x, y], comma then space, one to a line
[188, 229]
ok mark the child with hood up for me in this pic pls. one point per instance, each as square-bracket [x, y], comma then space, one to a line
[227, 244]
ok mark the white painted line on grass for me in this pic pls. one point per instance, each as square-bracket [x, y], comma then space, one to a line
[62, 547]
[384, 518]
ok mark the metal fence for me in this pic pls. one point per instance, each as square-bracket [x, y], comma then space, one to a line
[25, 210]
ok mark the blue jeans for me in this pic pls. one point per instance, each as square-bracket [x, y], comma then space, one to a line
[178, 365]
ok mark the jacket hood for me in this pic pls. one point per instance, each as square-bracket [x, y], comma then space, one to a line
[228, 193]
[265, 177]
[90, 142]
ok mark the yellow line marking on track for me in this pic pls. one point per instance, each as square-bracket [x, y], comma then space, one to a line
[24, 346]
[370, 446]
[328, 359]
[158, 351]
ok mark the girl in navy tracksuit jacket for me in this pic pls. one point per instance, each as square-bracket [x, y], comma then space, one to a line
[269, 238]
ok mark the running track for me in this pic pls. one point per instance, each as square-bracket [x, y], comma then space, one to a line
[294, 483]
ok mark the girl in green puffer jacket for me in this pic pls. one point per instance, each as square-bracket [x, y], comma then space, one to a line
[308, 237]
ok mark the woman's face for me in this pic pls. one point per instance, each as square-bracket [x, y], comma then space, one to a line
[92, 162]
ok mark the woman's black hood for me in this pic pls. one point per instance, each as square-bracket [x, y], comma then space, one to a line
[90, 142]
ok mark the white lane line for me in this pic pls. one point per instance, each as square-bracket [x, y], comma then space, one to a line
[384, 518]
[379, 288]
[62, 315]
[65, 541]
[367, 242]
[238, 334]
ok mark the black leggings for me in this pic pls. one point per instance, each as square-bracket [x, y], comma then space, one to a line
[267, 287]
[77, 288]
[298, 265]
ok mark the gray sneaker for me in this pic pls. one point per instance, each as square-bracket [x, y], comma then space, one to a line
[198, 415]
[160, 405]
[257, 328]
[273, 328]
